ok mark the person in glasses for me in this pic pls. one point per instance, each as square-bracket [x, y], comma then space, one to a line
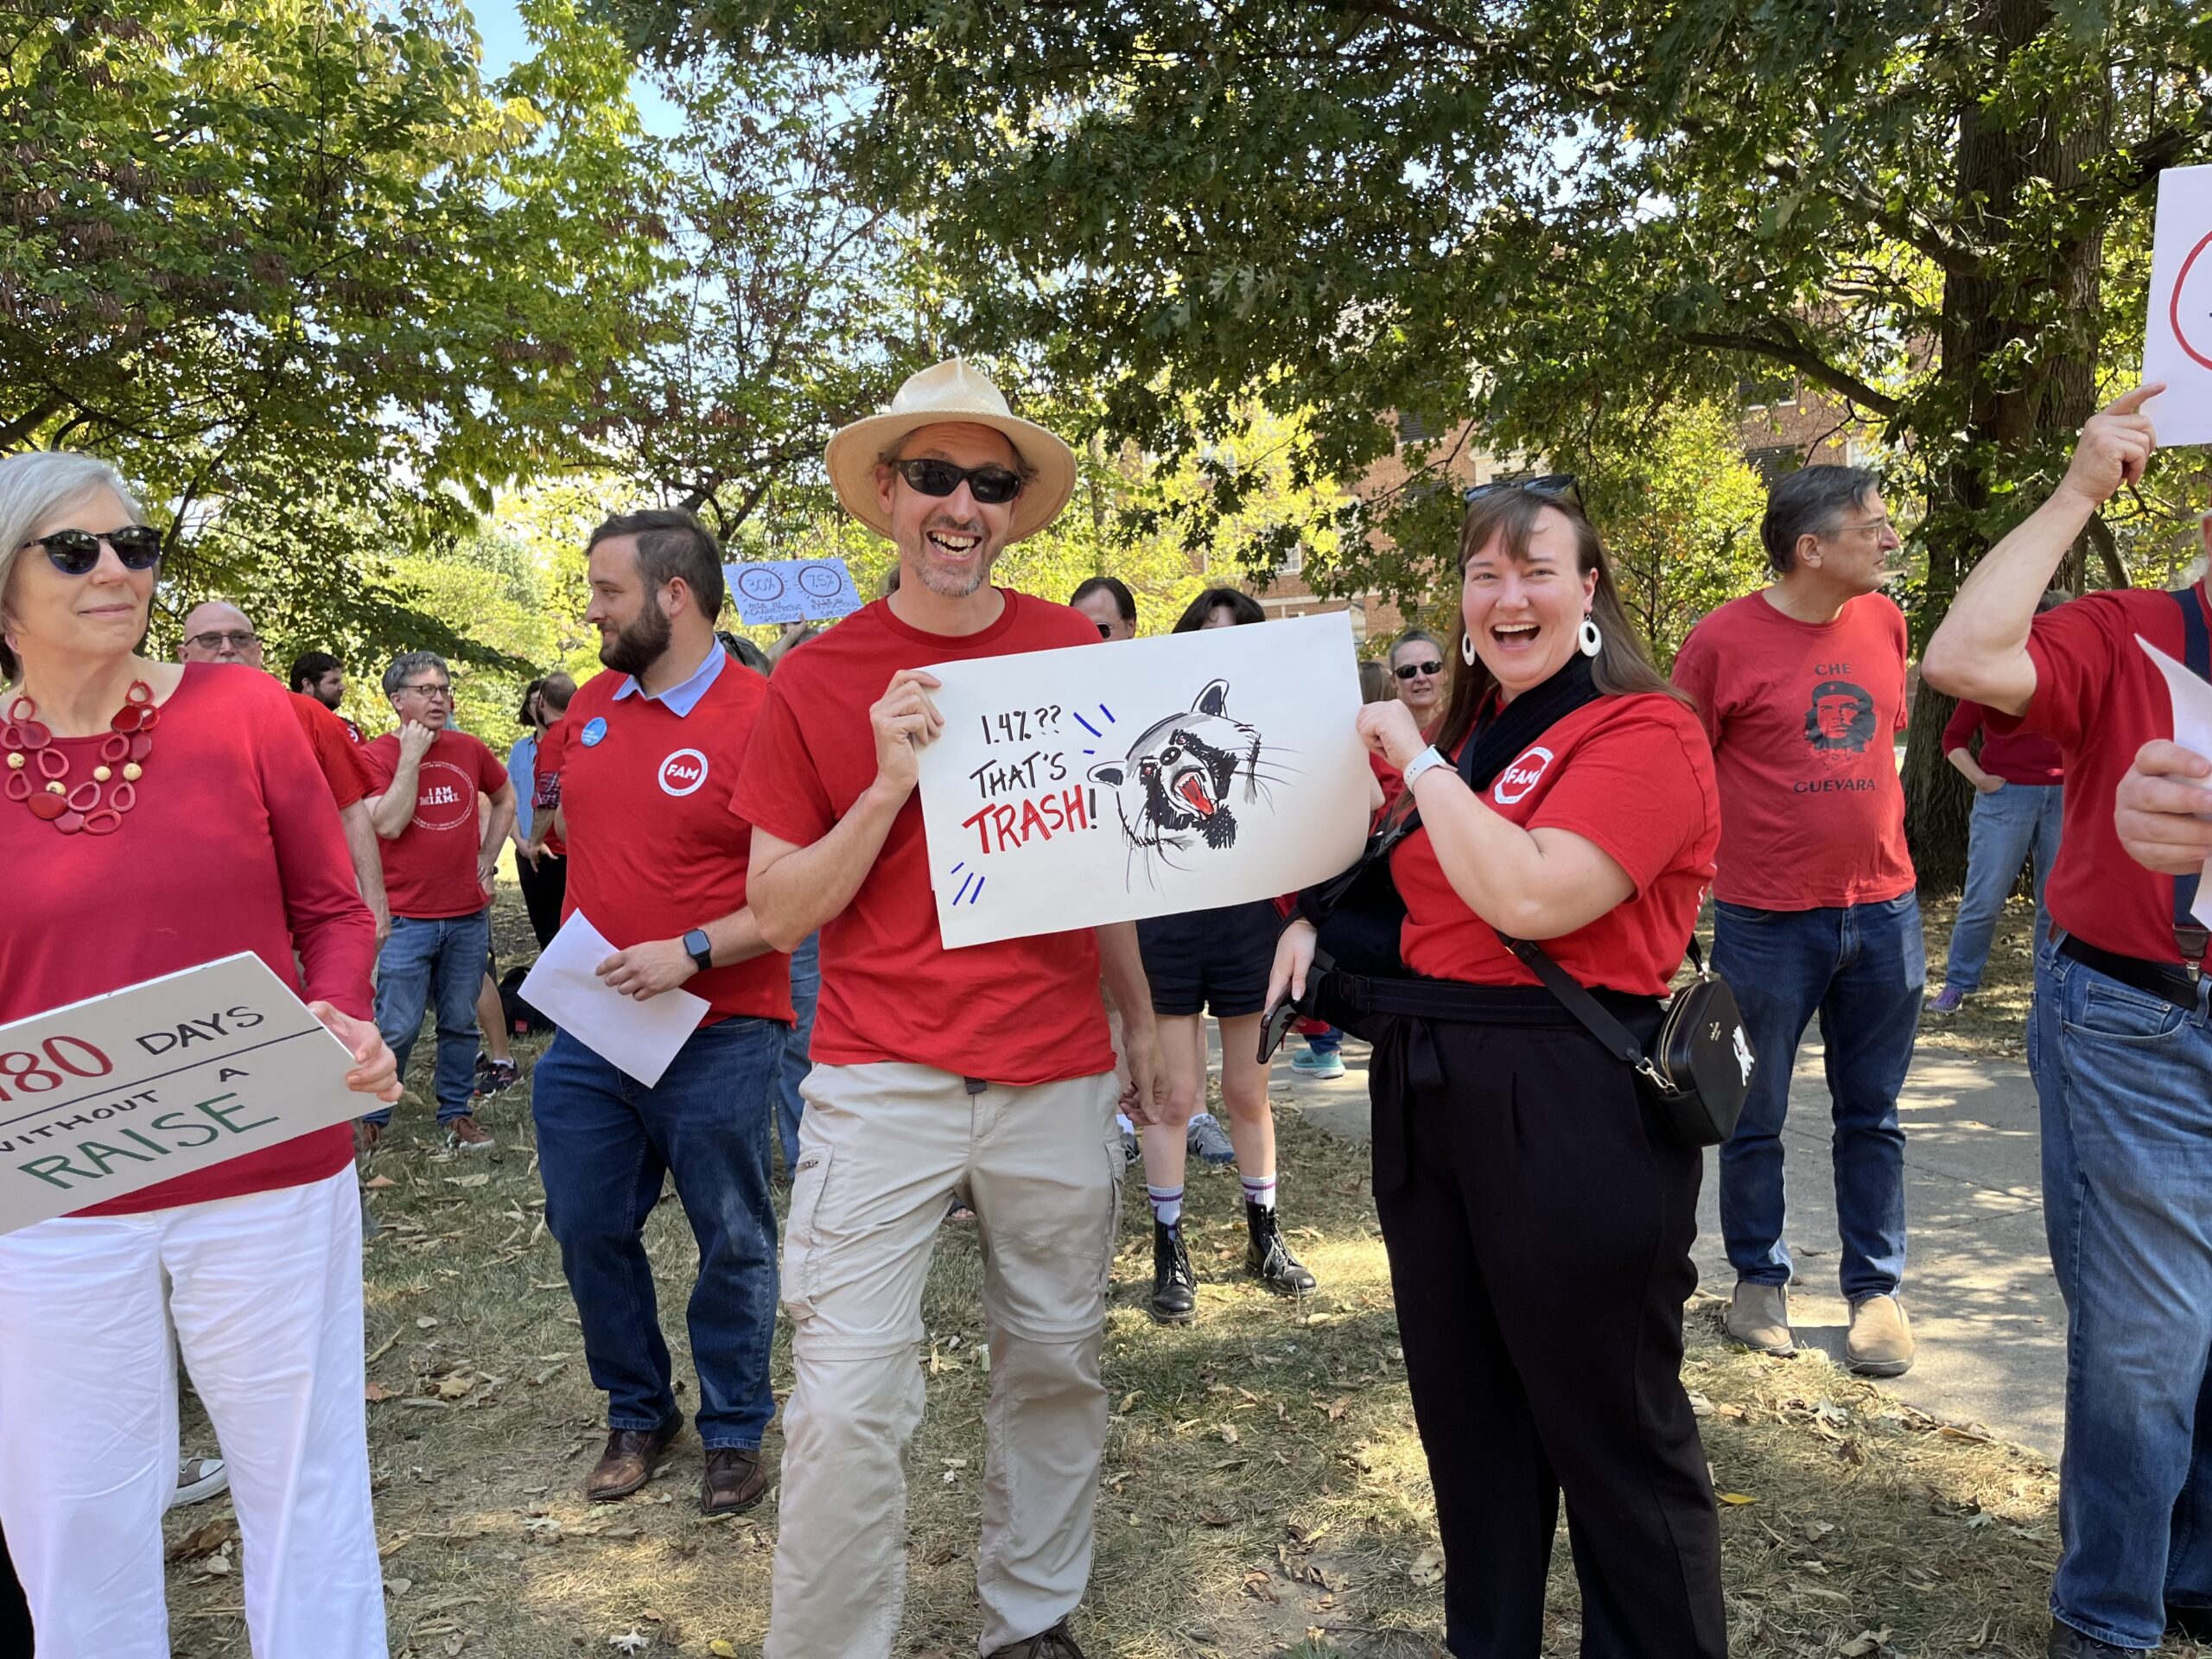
[1107, 601]
[187, 823]
[439, 857]
[1802, 688]
[218, 633]
[1538, 1215]
[983, 1073]
[318, 675]
[1417, 666]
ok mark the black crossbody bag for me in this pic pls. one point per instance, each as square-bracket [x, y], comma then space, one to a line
[1700, 1067]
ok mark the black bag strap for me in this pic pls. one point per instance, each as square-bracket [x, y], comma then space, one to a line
[2190, 935]
[1580, 1003]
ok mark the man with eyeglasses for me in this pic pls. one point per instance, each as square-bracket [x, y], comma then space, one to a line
[439, 856]
[217, 632]
[1109, 603]
[983, 1074]
[1801, 688]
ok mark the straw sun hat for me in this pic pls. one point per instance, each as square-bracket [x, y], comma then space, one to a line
[946, 393]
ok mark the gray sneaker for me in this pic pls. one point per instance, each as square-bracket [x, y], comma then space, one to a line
[1205, 1139]
[1758, 1317]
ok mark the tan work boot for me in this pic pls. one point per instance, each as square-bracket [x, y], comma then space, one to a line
[1880, 1342]
[1758, 1317]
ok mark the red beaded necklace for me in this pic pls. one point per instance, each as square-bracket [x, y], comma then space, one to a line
[95, 806]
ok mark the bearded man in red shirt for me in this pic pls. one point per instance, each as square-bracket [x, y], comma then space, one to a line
[983, 1073]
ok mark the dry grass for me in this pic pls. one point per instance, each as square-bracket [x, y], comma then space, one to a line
[1264, 1491]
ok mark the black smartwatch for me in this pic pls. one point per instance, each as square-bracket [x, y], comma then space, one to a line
[699, 948]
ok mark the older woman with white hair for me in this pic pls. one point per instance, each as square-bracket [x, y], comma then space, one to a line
[189, 824]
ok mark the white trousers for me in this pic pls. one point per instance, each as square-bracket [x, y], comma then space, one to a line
[263, 1294]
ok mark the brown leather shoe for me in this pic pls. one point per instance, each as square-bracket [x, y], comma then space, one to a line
[735, 1480]
[627, 1462]
[1055, 1643]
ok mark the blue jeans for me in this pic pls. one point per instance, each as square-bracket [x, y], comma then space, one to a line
[1330, 1041]
[2125, 1083]
[1860, 968]
[2006, 827]
[433, 964]
[604, 1142]
[806, 990]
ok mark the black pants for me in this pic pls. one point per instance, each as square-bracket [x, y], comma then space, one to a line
[15, 1611]
[1539, 1223]
[544, 885]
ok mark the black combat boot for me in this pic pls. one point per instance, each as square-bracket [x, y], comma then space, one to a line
[1268, 1258]
[1174, 1287]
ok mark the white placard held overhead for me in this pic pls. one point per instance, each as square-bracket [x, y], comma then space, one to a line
[2192, 701]
[637, 1038]
[2178, 334]
[106, 1097]
[1105, 783]
[791, 590]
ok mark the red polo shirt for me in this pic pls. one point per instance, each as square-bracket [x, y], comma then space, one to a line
[1015, 1011]
[2101, 699]
[653, 848]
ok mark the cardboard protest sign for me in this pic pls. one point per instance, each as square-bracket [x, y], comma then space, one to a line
[2178, 334]
[118, 1092]
[1102, 784]
[791, 590]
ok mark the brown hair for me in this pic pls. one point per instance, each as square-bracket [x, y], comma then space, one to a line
[1622, 668]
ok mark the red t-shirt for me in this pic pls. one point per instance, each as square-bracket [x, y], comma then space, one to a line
[231, 847]
[335, 753]
[657, 850]
[2101, 699]
[1802, 717]
[430, 868]
[1633, 776]
[1015, 1012]
[2018, 757]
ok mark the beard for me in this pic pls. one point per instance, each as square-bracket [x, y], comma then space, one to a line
[945, 581]
[638, 644]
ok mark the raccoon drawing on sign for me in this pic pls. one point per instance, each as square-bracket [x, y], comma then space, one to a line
[1178, 787]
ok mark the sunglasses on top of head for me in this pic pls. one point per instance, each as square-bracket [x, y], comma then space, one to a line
[992, 485]
[1550, 484]
[1407, 670]
[75, 552]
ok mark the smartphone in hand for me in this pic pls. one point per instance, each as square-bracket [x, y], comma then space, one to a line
[1275, 1027]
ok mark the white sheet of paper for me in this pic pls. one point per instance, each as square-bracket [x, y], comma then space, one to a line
[2192, 700]
[637, 1038]
[2177, 330]
[1042, 816]
[106, 1097]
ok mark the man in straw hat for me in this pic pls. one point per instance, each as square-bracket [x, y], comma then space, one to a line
[984, 1074]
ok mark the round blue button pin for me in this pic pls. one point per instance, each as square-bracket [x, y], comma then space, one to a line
[593, 731]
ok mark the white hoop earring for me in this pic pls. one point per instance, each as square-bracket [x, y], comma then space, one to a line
[1467, 649]
[1589, 641]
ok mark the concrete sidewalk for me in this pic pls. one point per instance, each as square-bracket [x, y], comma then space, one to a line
[1985, 1311]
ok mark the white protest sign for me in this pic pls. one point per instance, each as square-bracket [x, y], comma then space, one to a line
[121, 1091]
[2192, 701]
[2177, 333]
[637, 1039]
[791, 590]
[1105, 783]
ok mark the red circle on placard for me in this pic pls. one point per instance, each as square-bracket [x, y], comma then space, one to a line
[2173, 305]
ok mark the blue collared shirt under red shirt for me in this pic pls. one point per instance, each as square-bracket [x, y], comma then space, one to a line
[653, 848]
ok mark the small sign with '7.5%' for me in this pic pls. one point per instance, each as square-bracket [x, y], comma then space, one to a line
[118, 1092]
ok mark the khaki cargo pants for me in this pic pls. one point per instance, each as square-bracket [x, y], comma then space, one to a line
[883, 1148]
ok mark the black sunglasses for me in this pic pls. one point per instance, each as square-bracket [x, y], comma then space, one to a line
[1407, 670]
[1553, 484]
[993, 485]
[75, 552]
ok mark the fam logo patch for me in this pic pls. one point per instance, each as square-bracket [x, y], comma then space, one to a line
[682, 773]
[595, 732]
[1518, 779]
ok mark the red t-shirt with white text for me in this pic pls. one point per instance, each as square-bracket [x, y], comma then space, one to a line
[1633, 776]
[1014, 1011]
[430, 868]
[2100, 699]
[1802, 717]
[654, 849]
[231, 846]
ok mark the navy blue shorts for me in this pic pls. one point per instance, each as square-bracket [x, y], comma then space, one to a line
[1211, 960]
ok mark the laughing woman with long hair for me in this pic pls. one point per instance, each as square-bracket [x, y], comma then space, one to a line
[1537, 1214]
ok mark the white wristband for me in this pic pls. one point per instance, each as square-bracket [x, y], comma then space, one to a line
[1421, 762]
